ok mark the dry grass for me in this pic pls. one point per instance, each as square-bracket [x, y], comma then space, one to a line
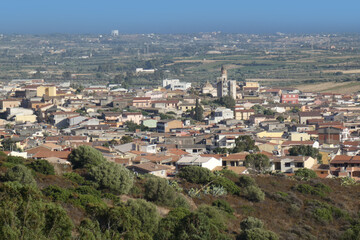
[353, 71]
[333, 87]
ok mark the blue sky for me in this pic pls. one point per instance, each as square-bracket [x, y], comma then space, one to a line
[185, 16]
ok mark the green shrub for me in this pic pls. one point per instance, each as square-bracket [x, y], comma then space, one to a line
[319, 189]
[258, 234]
[324, 212]
[88, 190]
[72, 176]
[246, 181]
[196, 174]
[112, 176]
[146, 213]
[254, 193]
[305, 173]
[21, 174]
[196, 226]
[253, 229]
[86, 157]
[158, 190]
[169, 224]
[57, 193]
[251, 222]
[229, 185]
[223, 205]
[228, 173]
[215, 216]
[42, 166]
[15, 160]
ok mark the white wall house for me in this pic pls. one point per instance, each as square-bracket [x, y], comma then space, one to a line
[196, 160]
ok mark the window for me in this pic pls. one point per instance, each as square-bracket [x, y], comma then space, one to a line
[300, 165]
[287, 164]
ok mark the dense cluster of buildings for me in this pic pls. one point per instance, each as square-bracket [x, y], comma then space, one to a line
[151, 130]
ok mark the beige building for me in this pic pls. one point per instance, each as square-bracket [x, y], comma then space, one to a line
[296, 136]
[49, 91]
[167, 125]
[243, 114]
[25, 118]
[9, 103]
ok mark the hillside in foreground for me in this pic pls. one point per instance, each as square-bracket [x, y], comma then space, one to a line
[102, 200]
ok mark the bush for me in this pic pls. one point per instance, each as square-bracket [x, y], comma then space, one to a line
[158, 190]
[88, 190]
[169, 224]
[305, 173]
[223, 205]
[196, 226]
[57, 193]
[21, 174]
[72, 176]
[258, 234]
[324, 212]
[251, 222]
[226, 183]
[319, 189]
[253, 229]
[254, 193]
[146, 213]
[246, 181]
[15, 160]
[196, 174]
[42, 166]
[215, 216]
[85, 157]
[229, 173]
[112, 176]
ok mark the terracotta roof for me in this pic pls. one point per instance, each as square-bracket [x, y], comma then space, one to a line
[150, 167]
[176, 151]
[236, 156]
[48, 153]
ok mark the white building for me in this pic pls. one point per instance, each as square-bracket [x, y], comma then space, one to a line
[175, 84]
[196, 160]
[141, 70]
[221, 113]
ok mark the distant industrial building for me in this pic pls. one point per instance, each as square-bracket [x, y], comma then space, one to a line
[115, 33]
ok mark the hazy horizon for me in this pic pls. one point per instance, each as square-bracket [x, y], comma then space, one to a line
[261, 17]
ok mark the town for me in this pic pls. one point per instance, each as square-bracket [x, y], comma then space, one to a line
[216, 125]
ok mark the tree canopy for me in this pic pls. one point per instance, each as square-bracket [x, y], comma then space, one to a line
[112, 176]
[85, 157]
[257, 162]
[305, 150]
[197, 113]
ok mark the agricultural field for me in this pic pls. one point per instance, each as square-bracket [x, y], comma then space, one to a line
[276, 60]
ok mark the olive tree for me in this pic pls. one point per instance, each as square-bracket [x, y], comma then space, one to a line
[85, 157]
[112, 176]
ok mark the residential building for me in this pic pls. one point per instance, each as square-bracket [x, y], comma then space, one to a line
[197, 160]
[164, 126]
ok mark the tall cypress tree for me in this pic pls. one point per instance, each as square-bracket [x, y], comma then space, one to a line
[198, 112]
